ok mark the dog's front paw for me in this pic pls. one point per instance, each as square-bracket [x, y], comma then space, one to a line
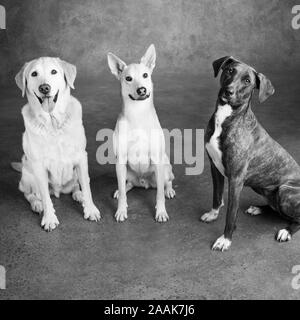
[49, 222]
[37, 206]
[170, 193]
[121, 215]
[283, 235]
[91, 213]
[254, 211]
[77, 196]
[161, 216]
[221, 244]
[210, 216]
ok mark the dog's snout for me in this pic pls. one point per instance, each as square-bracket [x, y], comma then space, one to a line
[228, 92]
[44, 88]
[141, 91]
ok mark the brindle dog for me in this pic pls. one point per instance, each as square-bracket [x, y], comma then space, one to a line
[240, 149]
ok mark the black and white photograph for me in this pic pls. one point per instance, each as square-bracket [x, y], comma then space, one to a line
[149, 151]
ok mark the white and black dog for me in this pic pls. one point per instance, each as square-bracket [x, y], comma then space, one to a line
[240, 149]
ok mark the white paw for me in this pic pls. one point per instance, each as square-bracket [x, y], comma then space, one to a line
[254, 211]
[116, 194]
[77, 196]
[91, 213]
[210, 216]
[161, 216]
[121, 215]
[221, 244]
[170, 193]
[37, 206]
[283, 235]
[49, 222]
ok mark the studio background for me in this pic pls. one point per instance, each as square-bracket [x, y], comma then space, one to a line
[140, 259]
[188, 35]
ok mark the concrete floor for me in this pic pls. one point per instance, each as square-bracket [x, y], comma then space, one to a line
[141, 259]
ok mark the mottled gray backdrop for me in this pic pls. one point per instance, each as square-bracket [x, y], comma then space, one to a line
[188, 34]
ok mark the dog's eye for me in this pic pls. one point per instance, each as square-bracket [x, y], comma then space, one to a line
[145, 75]
[230, 70]
[128, 78]
[34, 74]
[53, 71]
[247, 81]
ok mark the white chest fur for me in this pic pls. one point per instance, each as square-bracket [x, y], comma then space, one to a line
[213, 147]
[139, 151]
[58, 150]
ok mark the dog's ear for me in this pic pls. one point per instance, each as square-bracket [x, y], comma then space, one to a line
[149, 57]
[221, 63]
[21, 78]
[265, 87]
[70, 72]
[116, 65]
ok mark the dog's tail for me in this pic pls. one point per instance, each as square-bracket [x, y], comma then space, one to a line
[17, 166]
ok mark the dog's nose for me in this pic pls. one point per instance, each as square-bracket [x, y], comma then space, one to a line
[44, 88]
[141, 91]
[228, 92]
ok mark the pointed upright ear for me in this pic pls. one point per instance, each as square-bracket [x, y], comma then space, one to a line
[265, 87]
[221, 63]
[116, 65]
[149, 57]
[21, 78]
[70, 72]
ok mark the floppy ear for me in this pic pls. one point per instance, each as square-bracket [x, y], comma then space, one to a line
[221, 63]
[116, 65]
[21, 78]
[70, 72]
[149, 57]
[265, 87]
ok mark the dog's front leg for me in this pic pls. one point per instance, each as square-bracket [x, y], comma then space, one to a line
[90, 210]
[121, 170]
[218, 186]
[234, 190]
[49, 220]
[161, 213]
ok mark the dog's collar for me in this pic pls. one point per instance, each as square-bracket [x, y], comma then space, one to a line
[132, 98]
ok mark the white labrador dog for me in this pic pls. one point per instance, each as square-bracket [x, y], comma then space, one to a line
[54, 142]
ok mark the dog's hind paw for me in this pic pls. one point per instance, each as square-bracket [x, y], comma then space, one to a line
[77, 196]
[283, 235]
[37, 206]
[161, 216]
[91, 213]
[254, 211]
[221, 244]
[170, 193]
[210, 216]
[121, 215]
[49, 222]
